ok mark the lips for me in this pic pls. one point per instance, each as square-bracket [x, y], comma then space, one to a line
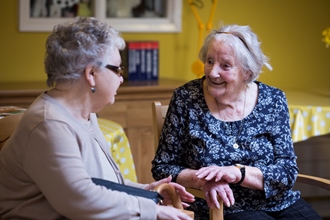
[218, 83]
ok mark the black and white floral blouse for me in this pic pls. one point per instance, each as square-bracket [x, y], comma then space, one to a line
[193, 138]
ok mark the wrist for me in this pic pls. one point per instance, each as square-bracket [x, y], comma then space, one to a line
[242, 169]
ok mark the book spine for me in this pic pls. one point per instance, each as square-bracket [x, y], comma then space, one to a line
[143, 73]
[149, 61]
[155, 60]
[134, 61]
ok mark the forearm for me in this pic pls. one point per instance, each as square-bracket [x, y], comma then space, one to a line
[254, 178]
[188, 178]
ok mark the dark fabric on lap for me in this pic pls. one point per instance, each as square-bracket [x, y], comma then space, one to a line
[300, 210]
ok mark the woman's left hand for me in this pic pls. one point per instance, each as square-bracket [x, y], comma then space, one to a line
[214, 189]
[229, 174]
[184, 195]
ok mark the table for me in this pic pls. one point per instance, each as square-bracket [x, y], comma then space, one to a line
[119, 147]
[309, 113]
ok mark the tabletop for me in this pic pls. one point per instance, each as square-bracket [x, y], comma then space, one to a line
[119, 147]
[309, 113]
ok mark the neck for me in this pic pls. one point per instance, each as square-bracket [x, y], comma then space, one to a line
[233, 111]
[73, 100]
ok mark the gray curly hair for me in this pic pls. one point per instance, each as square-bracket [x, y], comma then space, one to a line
[245, 45]
[75, 44]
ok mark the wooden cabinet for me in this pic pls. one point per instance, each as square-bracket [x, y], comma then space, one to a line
[132, 109]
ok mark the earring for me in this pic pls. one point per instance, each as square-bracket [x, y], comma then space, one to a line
[93, 89]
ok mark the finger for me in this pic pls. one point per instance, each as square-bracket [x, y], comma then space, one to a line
[165, 180]
[201, 170]
[214, 174]
[187, 199]
[178, 187]
[227, 197]
[185, 205]
[182, 191]
[204, 170]
[230, 196]
[204, 174]
[209, 173]
[207, 199]
[218, 177]
[214, 199]
[154, 184]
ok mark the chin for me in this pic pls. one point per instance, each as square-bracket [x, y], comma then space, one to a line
[111, 101]
[216, 90]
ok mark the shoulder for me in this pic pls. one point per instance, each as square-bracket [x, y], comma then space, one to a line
[191, 88]
[193, 84]
[267, 91]
[47, 112]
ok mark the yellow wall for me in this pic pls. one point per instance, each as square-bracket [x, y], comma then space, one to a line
[290, 31]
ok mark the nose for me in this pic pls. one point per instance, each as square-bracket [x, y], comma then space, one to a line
[215, 71]
[121, 79]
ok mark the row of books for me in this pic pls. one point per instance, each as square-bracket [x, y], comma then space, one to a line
[141, 60]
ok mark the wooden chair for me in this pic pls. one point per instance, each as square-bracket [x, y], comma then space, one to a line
[159, 113]
[7, 126]
[176, 200]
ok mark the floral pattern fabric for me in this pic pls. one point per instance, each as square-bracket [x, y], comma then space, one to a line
[193, 138]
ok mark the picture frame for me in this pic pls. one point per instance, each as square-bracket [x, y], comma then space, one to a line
[170, 23]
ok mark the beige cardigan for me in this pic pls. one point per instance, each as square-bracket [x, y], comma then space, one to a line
[46, 166]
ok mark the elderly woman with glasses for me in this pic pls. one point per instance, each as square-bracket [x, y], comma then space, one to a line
[229, 135]
[48, 164]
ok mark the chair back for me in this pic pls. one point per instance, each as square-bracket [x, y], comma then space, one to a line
[158, 114]
[7, 127]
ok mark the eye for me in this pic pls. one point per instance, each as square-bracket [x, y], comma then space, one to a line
[209, 61]
[226, 66]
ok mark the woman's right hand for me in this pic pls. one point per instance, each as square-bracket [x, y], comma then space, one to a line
[168, 212]
[214, 189]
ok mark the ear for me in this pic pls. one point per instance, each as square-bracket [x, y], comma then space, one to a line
[90, 74]
[248, 76]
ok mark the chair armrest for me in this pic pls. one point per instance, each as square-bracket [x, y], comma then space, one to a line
[214, 213]
[314, 181]
[176, 200]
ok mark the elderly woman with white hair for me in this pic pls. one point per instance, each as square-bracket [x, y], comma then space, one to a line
[229, 135]
[47, 165]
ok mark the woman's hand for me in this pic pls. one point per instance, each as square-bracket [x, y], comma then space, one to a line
[152, 185]
[254, 178]
[214, 189]
[184, 195]
[229, 174]
[168, 212]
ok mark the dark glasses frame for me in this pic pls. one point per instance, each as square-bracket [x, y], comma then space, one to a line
[119, 70]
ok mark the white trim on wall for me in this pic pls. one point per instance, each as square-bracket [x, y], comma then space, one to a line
[171, 23]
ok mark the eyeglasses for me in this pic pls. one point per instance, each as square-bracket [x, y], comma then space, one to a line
[117, 69]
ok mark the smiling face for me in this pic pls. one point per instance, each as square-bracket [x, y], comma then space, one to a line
[223, 72]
